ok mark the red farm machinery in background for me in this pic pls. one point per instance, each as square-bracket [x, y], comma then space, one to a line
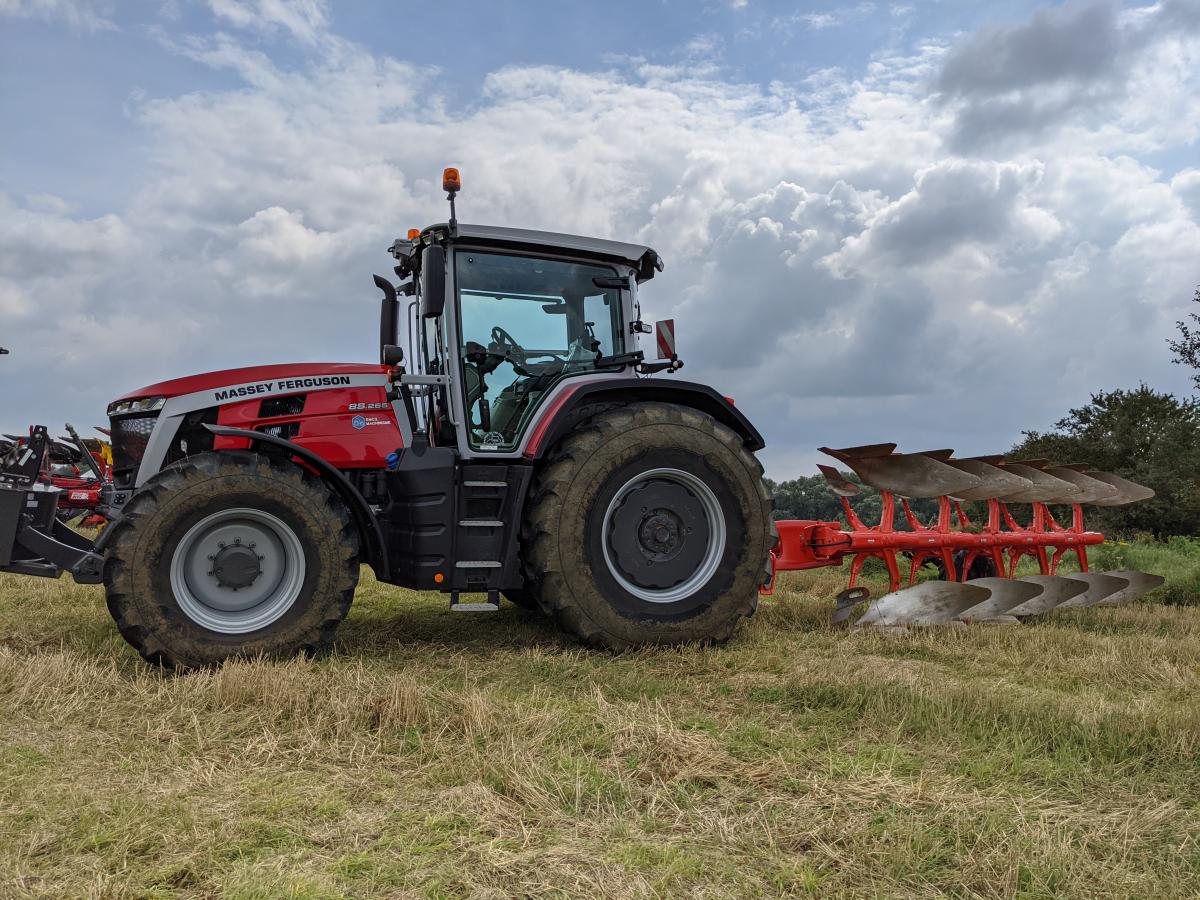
[79, 468]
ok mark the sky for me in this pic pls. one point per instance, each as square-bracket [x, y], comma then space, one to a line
[930, 222]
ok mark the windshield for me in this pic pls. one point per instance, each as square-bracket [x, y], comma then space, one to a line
[527, 323]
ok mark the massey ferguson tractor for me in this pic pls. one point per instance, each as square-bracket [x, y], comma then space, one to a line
[515, 442]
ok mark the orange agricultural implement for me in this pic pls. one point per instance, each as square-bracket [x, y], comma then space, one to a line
[958, 545]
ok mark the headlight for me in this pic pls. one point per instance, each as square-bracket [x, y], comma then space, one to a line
[148, 404]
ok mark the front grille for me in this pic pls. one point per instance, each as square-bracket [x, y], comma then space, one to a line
[282, 406]
[130, 435]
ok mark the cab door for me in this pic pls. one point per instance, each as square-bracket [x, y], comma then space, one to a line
[525, 324]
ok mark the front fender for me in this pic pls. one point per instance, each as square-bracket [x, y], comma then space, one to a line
[369, 530]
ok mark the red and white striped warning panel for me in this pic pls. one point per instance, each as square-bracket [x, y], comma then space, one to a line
[664, 332]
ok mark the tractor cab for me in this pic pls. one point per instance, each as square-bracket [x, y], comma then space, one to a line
[504, 319]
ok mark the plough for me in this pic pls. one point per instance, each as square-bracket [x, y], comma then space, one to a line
[959, 545]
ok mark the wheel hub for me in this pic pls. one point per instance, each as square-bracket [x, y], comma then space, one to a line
[237, 570]
[658, 534]
[236, 565]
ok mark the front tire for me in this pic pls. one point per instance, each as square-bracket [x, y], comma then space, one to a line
[650, 524]
[228, 555]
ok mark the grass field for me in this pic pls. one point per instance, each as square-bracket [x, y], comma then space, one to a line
[443, 754]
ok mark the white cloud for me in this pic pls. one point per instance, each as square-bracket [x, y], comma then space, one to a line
[305, 20]
[1187, 187]
[85, 15]
[824, 19]
[832, 264]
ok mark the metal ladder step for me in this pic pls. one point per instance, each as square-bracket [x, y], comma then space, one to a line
[477, 564]
[492, 604]
[485, 484]
[481, 523]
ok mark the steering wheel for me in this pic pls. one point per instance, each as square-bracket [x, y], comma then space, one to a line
[505, 345]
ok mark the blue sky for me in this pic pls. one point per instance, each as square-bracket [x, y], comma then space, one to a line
[932, 222]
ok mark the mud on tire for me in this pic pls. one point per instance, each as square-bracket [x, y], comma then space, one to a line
[172, 508]
[582, 562]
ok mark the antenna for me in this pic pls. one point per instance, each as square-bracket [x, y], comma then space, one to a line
[451, 184]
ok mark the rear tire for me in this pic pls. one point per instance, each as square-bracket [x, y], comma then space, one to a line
[649, 524]
[228, 555]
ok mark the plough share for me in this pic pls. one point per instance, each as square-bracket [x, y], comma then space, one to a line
[959, 545]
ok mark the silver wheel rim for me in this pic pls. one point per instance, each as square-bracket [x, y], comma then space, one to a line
[230, 541]
[712, 555]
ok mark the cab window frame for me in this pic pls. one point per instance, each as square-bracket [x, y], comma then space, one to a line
[618, 317]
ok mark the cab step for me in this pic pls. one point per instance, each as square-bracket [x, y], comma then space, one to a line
[492, 604]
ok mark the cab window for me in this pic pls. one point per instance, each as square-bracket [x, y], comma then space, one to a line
[528, 323]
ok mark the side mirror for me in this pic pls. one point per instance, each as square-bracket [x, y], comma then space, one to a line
[433, 281]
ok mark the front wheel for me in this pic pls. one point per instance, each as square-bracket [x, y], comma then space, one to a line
[650, 524]
[230, 555]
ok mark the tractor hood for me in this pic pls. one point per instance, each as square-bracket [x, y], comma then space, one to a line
[285, 372]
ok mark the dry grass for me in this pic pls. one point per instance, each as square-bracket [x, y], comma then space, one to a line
[441, 754]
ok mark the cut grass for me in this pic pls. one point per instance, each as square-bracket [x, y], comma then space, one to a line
[442, 754]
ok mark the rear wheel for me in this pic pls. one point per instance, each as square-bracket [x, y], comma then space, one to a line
[227, 555]
[650, 524]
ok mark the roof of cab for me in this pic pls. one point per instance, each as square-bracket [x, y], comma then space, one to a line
[644, 259]
[496, 234]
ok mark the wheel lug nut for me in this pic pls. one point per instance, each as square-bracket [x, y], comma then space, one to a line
[221, 544]
[237, 540]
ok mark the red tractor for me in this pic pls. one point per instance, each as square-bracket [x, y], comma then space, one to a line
[514, 447]
[515, 444]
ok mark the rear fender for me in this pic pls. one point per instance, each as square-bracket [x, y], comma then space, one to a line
[369, 531]
[562, 414]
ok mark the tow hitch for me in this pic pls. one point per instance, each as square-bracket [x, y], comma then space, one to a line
[32, 540]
